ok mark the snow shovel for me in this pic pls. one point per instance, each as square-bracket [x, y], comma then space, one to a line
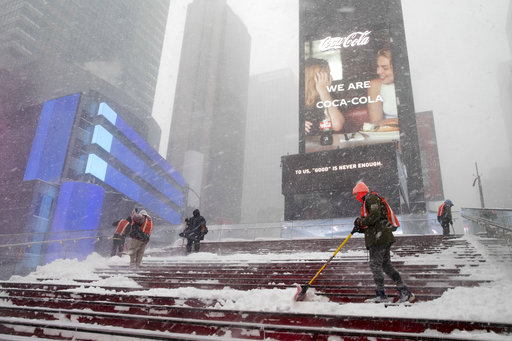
[302, 289]
[184, 231]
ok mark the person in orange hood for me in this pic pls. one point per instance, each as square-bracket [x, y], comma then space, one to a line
[378, 222]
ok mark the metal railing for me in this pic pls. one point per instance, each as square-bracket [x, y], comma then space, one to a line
[13, 240]
[493, 222]
[22, 252]
[300, 229]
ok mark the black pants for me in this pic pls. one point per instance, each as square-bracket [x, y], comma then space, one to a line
[380, 263]
[193, 243]
[117, 246]
[446, 228]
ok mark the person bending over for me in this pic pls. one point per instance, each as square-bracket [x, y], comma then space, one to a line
[377, 222]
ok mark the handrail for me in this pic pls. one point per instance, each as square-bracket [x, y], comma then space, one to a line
[30, 244]
[3, 235]
[331, 224]
[487, 222]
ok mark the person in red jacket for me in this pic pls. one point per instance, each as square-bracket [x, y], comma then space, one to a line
[142, 225]
[444, 216]
[377, 222]
[122, 230]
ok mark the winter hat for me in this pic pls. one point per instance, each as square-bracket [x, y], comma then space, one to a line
[196, 213]
[360, 191]
[448, 202]
[136, 214]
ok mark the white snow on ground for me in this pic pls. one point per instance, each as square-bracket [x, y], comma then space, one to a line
[490, 302]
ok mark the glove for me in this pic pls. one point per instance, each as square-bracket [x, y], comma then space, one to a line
[182, 234]
[357, 226]
[357, 222]
[357, 229]
[204, 230]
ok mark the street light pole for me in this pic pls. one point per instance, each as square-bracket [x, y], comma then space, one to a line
[189, 189]
[477, 179]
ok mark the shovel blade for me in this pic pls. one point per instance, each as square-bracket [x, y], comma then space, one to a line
[301, 292]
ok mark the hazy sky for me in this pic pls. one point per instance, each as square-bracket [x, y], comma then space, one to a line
[460, 63]
[261, 18]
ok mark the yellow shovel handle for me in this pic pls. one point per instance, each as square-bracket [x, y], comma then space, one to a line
[334, 254]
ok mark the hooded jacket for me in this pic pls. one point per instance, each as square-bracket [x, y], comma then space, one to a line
[142, 228]
[444, 213]
[375, 224]
[122, 228]
[193, 231]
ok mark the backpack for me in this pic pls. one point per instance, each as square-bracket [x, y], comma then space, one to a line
[204, 230]
[137, 233]
[440, 212]
[391, 221]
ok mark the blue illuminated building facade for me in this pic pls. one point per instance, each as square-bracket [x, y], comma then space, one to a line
[81, 163]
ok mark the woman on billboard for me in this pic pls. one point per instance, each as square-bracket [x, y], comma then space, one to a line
[317, 79]
[382, 109]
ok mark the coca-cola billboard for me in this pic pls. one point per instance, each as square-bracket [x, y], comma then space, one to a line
[354, 80]
[348, 78]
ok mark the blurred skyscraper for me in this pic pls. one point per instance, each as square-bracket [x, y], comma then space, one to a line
[506, 78]
[52, 48]
[432, 179]
[207, 136]
[272, 132]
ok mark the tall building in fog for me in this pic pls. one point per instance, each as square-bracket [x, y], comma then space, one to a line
[272, 122]
[506, 78]
[52, 48]
[207, 136]
[432, 179]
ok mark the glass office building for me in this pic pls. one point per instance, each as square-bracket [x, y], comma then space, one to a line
[207, 134]
[79, 167]
[49, 49]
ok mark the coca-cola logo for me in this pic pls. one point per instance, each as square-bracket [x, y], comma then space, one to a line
[325, 125]
[351, 40]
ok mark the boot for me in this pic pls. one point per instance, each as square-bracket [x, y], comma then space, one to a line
[405, 295]
[380, 297]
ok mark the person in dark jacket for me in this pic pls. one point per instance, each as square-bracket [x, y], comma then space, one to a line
[444, 216]
[122, 230]
[195, 231]
[378, 222]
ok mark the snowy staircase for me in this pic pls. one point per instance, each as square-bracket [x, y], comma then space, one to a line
[500, 249]
[82, 311]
